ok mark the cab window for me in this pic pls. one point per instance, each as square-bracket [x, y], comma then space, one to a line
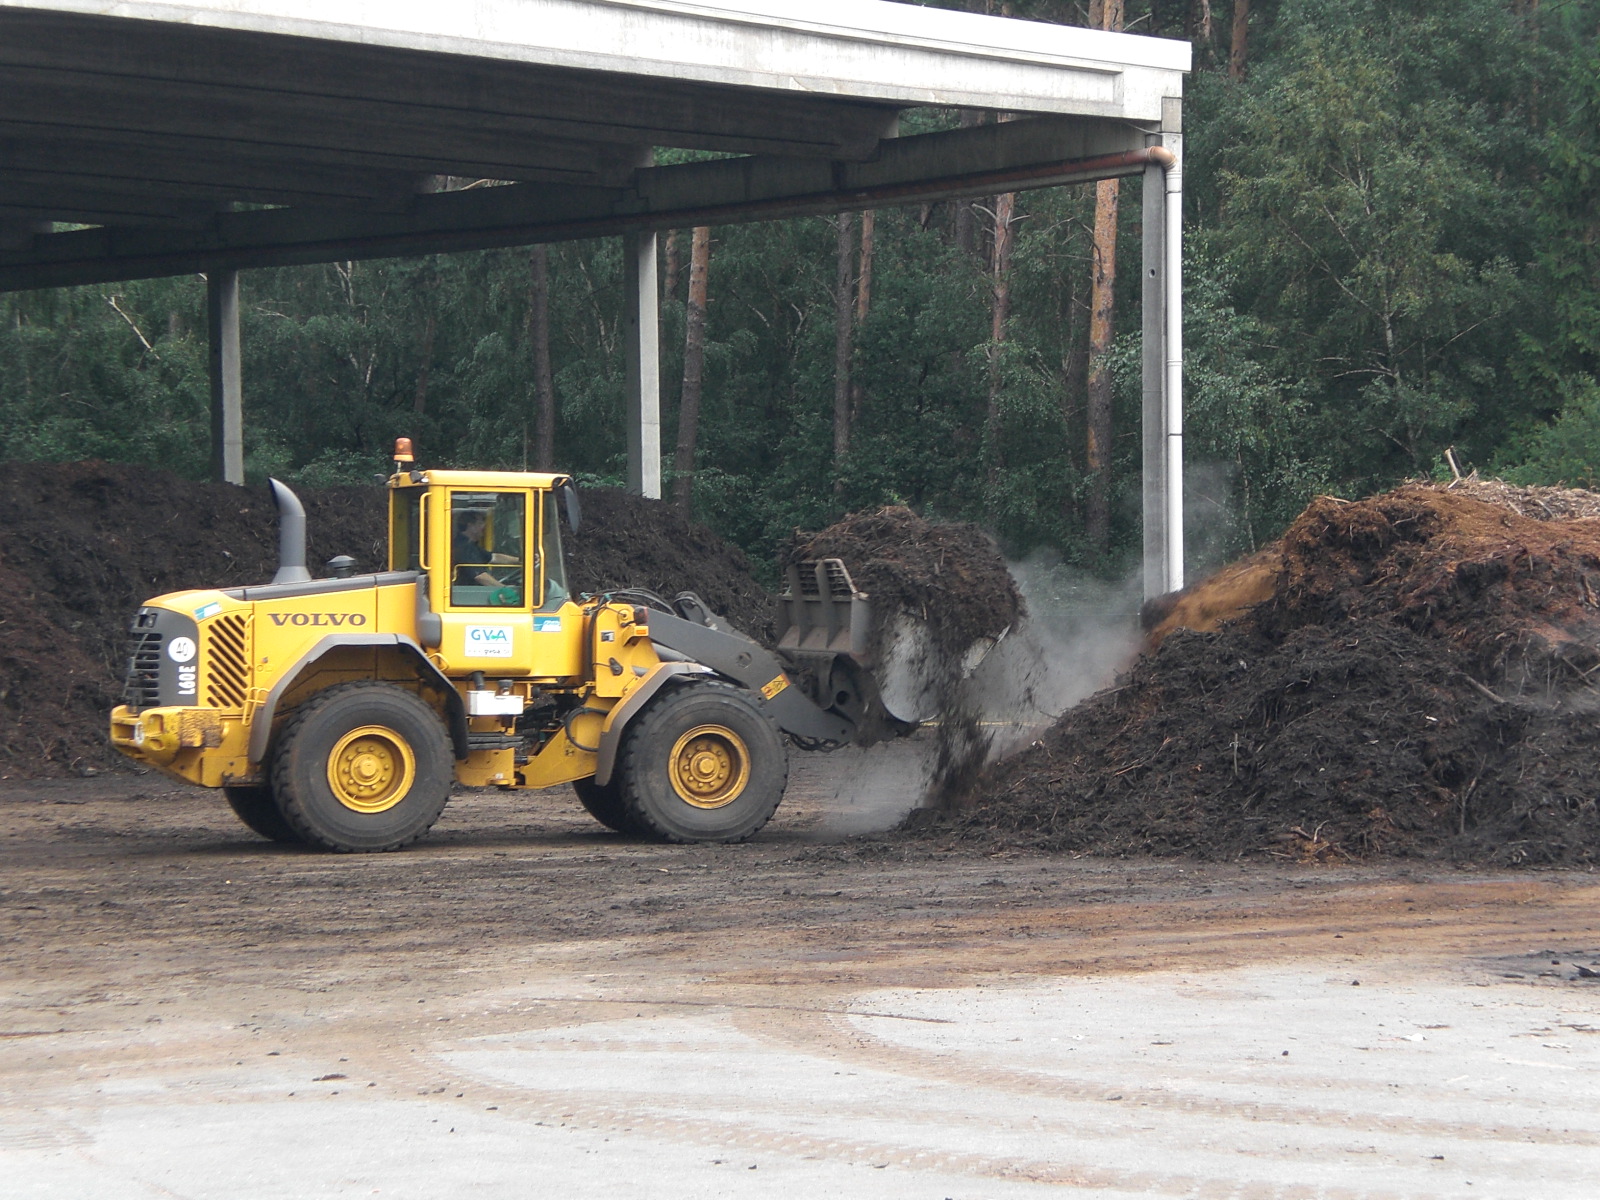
[405, 530]
[551, 563]
[488, 531]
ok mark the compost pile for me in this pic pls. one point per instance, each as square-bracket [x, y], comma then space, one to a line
[83, 544]
[1418, 681]
[952, 581]
[951, 577]
[627, 541]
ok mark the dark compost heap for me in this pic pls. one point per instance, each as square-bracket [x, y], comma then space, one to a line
[83, 544]
[950, 576]
[1419, 682]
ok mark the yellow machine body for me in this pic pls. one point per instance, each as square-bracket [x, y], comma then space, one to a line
[489, 645]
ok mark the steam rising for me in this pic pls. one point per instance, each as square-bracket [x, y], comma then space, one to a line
[1078, 632]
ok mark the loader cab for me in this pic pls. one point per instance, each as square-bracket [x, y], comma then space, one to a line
[490, 545]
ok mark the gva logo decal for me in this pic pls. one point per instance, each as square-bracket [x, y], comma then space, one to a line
[489, 641]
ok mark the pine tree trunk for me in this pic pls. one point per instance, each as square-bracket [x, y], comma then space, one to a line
[966, 217]
[694, 360]
[419, 401]
[1097, 393]
[669, 273]
[844, 303]
[1240, 53]
[544, 388]
[1102, 327]
[1004, 208]
[869, 240]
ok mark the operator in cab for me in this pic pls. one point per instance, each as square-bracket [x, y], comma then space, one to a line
[467, 551]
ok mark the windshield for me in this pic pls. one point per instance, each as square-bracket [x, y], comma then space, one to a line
[555, 568]
[486, 549]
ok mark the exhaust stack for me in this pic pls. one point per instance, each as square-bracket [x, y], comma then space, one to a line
[291, 536]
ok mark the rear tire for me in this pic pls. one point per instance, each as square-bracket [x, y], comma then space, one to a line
[702, 763]
[605, 804]
[362, 767]
[259, 811]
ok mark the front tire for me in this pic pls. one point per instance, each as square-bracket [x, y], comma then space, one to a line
[702, 763]
[362, 767]
[605, 804]
[256, 807]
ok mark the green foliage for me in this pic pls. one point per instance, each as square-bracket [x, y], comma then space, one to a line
[1565, 451]
[116, 373]
[1559, 360]
[1253, 458]
[1364, 207]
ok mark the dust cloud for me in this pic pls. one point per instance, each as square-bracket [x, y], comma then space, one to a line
[1076, 634]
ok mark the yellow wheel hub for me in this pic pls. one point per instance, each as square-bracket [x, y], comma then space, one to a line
[709, 767]
[371, 769]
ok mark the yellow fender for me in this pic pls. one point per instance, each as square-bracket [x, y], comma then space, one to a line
[261, 722]
[628, 707]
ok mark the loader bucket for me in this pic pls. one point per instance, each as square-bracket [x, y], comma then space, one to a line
[823, 612]
[823, 615]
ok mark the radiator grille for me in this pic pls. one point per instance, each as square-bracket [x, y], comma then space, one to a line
[142, 685]
[227, 664]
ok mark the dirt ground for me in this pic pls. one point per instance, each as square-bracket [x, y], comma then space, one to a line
[527, 1005]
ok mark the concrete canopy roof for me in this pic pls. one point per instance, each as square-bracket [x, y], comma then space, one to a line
[153, 121]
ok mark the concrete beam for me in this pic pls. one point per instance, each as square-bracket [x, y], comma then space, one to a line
[68, 165]
[185, 167]
[374, 132]
[867, 49]
[17, 233]
[148, 64]
[95, 205]
[227, 386]
[385, 176]
[1013, 156]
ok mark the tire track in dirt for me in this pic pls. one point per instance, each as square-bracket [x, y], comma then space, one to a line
[638, 1115]
[828, 1035]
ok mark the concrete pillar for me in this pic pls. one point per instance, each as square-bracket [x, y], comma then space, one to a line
[643, 335]
[227, 393]
[1152, 369]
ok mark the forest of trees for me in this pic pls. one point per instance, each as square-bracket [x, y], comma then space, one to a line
[1393, 251]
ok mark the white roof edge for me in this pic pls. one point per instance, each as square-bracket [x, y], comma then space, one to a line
[690, 39]
[971, 31]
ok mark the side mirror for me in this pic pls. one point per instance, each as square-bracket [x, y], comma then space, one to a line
[570, 505]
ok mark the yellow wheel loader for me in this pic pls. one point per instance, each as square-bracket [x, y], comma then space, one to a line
[339, 712]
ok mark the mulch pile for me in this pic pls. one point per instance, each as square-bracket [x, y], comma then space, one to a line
[952, 580]
[952, 577]
[1418, 682]
[82, 545]
[626, 541]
